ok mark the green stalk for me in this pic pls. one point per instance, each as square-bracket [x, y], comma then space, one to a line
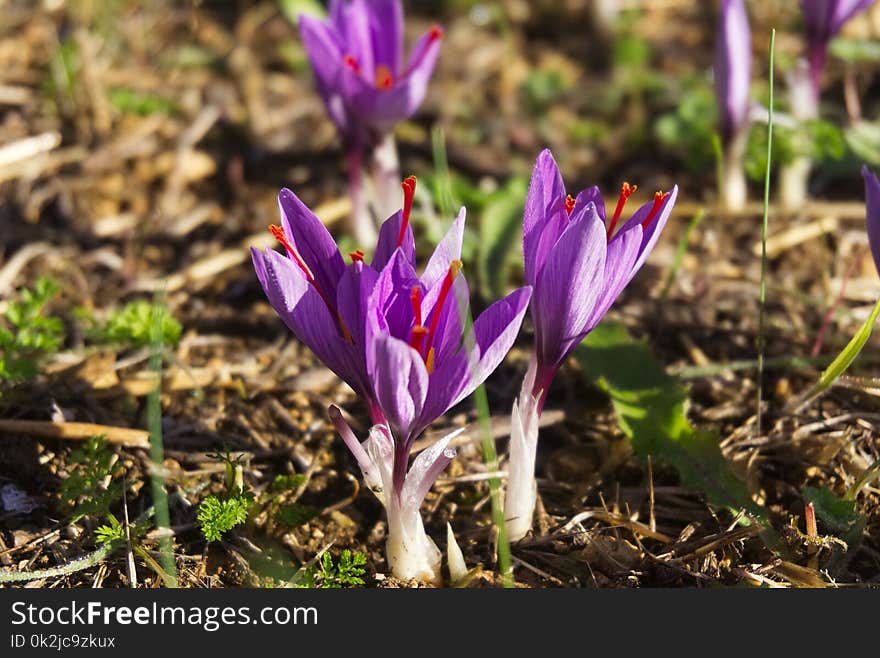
[157, 452]
[490, 457]
[763, 293]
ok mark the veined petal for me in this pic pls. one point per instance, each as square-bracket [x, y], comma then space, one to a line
[733, 58]
[494, 333]
[872, 204]
[390, 305]
[313, 241]
[400, 381]
[652, 232]
[306, 315]
[448, 250]
[389, 233]
[591, 194]
[386, 29]
[621, 256]
[358, 39]
[545, 188]
[568, 287]
[323, 48]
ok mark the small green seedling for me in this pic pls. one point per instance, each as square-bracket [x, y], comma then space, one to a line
[29, 335]
[90, 488]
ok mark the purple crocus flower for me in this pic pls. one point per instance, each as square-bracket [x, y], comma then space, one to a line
[357, 56]
[872, 208]
[360, 73]
[578, 260]
[320, 299]
[399, 340]
[824, 19]
[733, 61]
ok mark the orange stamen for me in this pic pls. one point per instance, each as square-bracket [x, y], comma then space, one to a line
[357, 256]
[454, 268]
[384, 79]
[659, 198]
[278, 233]
[626, 191]
[569, 203]
[416, 299]
[351, 63]
[409, 191]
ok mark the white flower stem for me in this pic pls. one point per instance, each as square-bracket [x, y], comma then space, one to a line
[385, 169]
[362, 227]
[804, 99]
[521, 494]
[409, 550]
[734, 191]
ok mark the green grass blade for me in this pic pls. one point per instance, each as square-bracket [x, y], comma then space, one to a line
[680, 251]
[157, 453]
[763, 294]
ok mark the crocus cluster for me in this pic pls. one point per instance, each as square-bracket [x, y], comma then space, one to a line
[399, 339]
[733, 59]
[367, 88]
[578, 259]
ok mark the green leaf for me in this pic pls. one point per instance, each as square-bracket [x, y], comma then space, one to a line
[863, 137]
[216, 517]
[846, 356]
[499, 228]
[292, 9]
[855, 50]
[651, 409]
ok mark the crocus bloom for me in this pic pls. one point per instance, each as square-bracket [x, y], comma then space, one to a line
[872, 207]
[733, 61]
[824, 19]
[421, 362]
[578, 259]
[733, 58]
[357, 56]
[399, 340]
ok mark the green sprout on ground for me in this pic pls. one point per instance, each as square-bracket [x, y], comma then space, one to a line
[347, 572]
[90, 488]
[217, 516]
[133, 323]
[29, 334]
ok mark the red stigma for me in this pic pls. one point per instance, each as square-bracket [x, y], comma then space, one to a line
[384, 79]
[409, 191]
[454, 268]
[626, 191]
[416, 298]
[435, 33]
[659, 198]
[278, 233]
[569, 204]
[351, 63]
[357, 256]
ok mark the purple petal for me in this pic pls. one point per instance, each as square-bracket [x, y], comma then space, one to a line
[495, 331]
[313, 241]
[389, 233]
[390, 306]
[400, 381]
[358, 41]
[623, 251]
[872, 203]
[545, 189]
[386, 27]
[591, 194]
[322, 47]
[448, 250]
[655, 228]
[567, 288]
[733, 59]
